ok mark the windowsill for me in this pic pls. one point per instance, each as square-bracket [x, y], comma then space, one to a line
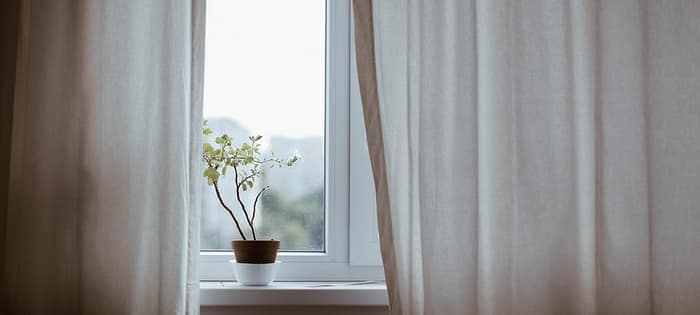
[222, 293]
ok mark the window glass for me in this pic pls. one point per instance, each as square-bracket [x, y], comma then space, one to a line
[265, 75]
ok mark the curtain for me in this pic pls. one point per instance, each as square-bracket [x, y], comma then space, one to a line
[535, 157]
[102, 113]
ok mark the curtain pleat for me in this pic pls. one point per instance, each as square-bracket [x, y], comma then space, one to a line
[103, 209]
[538, 157]
[364, 46]
[9, 31]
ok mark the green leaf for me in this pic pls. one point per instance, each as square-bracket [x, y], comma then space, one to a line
[207, 131]
[211, 174]
[207, 148]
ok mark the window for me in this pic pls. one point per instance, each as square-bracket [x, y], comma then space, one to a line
[265, 73]
[283, 69]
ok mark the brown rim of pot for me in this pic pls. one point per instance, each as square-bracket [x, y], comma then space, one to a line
[255, 251]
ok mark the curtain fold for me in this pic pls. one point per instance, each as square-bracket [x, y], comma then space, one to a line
[103, 209]
[8, 60]
[535, 157]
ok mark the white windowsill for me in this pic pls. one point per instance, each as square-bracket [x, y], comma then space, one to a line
[222, 293]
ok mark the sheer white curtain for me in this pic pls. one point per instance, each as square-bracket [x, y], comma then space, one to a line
[102, 213]
[535, 157]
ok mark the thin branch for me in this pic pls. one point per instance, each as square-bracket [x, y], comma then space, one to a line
[268, 160]
[254, 171]
[240, 201]
[259, 161]
[255, 203]
[238, 184]
[221, 200]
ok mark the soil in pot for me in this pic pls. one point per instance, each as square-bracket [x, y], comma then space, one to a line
[255, 251]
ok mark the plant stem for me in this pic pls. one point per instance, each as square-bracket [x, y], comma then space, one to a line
[255, 203]
[246, 179]
[238, 197]
[221, 200]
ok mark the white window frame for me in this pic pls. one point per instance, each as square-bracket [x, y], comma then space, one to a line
[352, 247]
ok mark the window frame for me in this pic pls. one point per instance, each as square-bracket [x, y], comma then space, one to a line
[349, 197]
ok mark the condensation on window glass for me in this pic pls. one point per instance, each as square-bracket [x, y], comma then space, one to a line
[265, 75]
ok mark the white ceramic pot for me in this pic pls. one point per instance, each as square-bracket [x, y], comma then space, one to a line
[254, 274]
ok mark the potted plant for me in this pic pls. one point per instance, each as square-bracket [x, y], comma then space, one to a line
[255, 258]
